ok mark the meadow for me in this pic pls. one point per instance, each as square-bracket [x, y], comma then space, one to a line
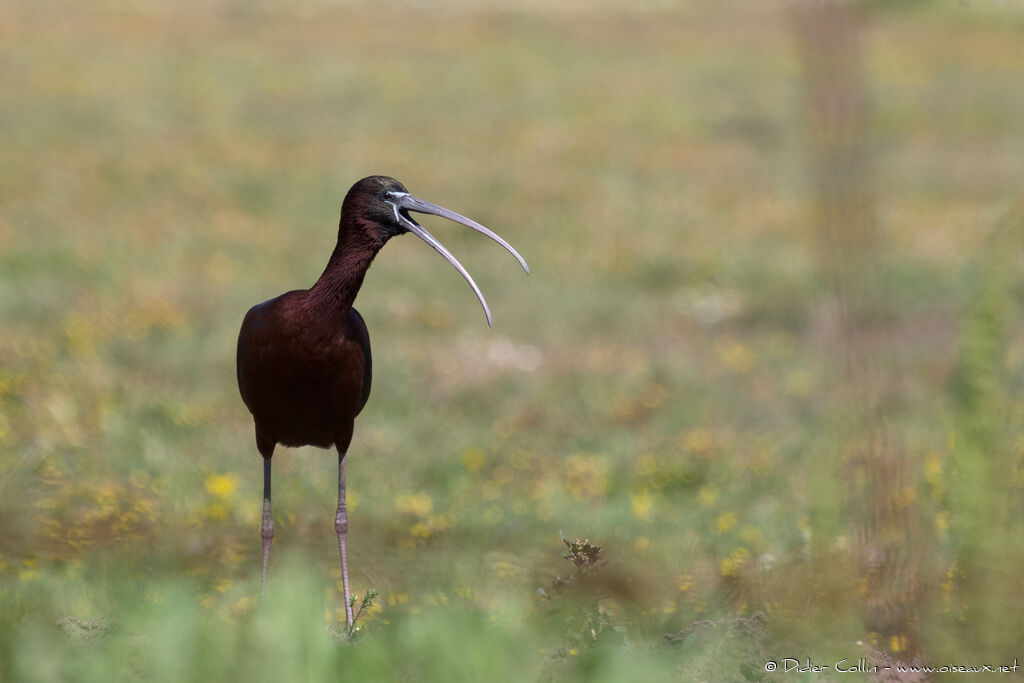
[668, 382]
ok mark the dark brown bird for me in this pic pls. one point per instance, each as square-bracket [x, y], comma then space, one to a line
[304, 365]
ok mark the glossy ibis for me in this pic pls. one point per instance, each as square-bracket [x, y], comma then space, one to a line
[304, 364]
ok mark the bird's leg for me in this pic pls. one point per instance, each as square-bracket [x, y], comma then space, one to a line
[267, 531]
[341, 526]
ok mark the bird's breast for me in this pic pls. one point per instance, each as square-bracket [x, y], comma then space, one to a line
[303, 388]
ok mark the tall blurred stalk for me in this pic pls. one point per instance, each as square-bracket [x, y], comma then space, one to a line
[984, 492]
[872, 457]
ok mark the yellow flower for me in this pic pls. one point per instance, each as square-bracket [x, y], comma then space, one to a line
[697, 441]
[222, 485]
[933, 475]
[473, 459]
[80, 333]
[735, 355]
[740, 555]
[419, 530]
[641, 504]
[217, 511]
[724, 522]
[419, 504]
[707, 495]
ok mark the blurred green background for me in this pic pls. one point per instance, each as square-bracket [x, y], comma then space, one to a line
[675, 380]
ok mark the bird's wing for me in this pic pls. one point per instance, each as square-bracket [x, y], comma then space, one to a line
[251, 338]
[362, 336]
[260, 340]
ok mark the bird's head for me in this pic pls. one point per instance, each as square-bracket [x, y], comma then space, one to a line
[381, 206]
[369, 204]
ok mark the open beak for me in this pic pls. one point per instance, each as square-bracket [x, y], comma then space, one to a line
[406, 201]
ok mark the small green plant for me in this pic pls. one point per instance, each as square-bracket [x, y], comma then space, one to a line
[581, 605]
[583, 554]
[364, 604]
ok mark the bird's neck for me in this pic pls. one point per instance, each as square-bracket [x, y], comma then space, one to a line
[336, 289]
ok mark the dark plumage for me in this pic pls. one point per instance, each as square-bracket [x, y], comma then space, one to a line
[304, 366]
[304, 374]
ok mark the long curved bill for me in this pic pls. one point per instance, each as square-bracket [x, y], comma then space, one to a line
[410, 203]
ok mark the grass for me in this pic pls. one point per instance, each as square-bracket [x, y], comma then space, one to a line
[664, 382]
